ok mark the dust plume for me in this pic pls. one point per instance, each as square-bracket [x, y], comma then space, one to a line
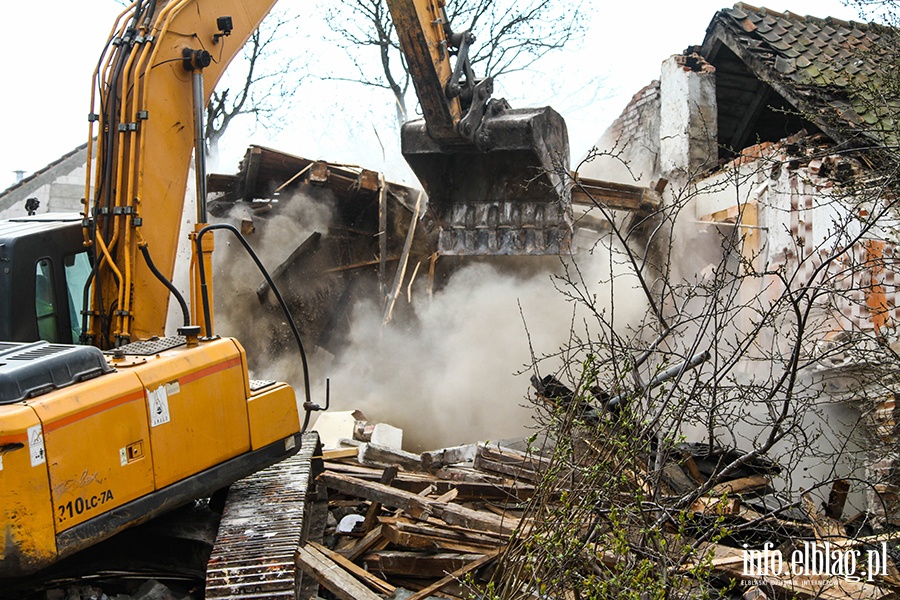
[452, 367]
[459, 371]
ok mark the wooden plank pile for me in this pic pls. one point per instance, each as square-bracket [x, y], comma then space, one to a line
[421, 523]
[423, 526]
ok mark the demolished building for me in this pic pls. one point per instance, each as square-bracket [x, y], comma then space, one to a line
[765, 133]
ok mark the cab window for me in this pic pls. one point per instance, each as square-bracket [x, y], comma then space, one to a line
[45, 302]
[77, 271]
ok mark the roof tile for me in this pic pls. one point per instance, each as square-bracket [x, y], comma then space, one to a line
[785, 65]
[748, 25]
[820, 58]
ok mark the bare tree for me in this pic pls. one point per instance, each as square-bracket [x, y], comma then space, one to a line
[756, 362]
[261, 82]
[510, 36]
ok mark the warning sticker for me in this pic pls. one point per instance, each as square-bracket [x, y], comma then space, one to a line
[158, 403]
[1, 462]
[36, 445]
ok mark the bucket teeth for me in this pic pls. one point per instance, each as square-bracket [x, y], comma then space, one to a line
[505, 229]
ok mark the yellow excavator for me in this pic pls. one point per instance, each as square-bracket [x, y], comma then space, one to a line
[106, 422]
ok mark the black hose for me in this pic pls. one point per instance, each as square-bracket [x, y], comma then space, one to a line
[204, 295]
[85, 305]
[185, 313]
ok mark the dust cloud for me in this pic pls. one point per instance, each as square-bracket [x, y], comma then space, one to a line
[452, 367]
[459, 371]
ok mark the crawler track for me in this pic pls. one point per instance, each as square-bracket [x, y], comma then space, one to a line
[264, 522]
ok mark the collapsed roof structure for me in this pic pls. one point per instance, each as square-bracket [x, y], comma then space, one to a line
[774, 134]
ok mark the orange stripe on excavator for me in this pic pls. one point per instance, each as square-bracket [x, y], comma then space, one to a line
[93, 410]
[14, 439]
[190, 377]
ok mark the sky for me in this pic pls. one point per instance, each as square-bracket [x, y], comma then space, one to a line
[50, 49]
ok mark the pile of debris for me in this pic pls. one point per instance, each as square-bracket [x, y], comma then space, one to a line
[405, 525]
[434, 525]
[150, 589]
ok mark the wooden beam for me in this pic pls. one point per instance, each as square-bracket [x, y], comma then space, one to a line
[417, 564]
[834, 508]
[742, 485]
[375, 507]
[454, 576]
[331, 576]
[471, 485]
[423, 541]
[751, 115]
[418, 506]
[618, 196]
[366, 543]
[372, 581]
[340, 453]
[404, 259]
[448, 456]
[376, 455]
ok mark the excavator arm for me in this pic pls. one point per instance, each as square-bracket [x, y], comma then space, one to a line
[162, 62]
[496, 177]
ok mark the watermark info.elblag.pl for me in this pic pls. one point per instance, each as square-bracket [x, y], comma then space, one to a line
[814, 559]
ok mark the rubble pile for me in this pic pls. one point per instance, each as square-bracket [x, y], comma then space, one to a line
[150, 589]
[405, 525]
[439, 525]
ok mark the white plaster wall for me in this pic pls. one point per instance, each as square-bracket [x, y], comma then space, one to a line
[688, 118]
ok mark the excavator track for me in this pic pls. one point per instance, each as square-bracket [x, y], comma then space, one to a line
[265, 520]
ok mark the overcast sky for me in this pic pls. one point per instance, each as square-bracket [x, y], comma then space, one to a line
[50, 48]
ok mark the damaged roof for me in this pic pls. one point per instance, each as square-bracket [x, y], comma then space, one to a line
[777, 73]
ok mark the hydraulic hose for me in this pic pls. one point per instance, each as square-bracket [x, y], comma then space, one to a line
[185, 313]
[204, 295]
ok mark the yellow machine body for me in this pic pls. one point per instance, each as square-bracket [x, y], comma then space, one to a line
[84, 461]
[156, 422]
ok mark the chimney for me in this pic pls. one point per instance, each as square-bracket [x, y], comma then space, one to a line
[20, 175]
[688, 125]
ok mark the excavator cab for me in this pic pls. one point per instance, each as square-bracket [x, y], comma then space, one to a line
[496, 177]
[42, 286]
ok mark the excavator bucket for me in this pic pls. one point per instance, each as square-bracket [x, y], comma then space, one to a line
[512, 198]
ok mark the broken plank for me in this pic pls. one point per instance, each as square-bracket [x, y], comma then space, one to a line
[753, 483]
[448, 456]
[617, 196]
[451, 577]
[375, 455]
[418, 506]
[340, 453]
[418, 564]
[351, 567]
[331, 576]
[375, 507]
[420, 541]
[718, 506]
[437, 529]
[837, 498]
[511, 463]
[366, 543]
[480, 487]
[448, 496]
